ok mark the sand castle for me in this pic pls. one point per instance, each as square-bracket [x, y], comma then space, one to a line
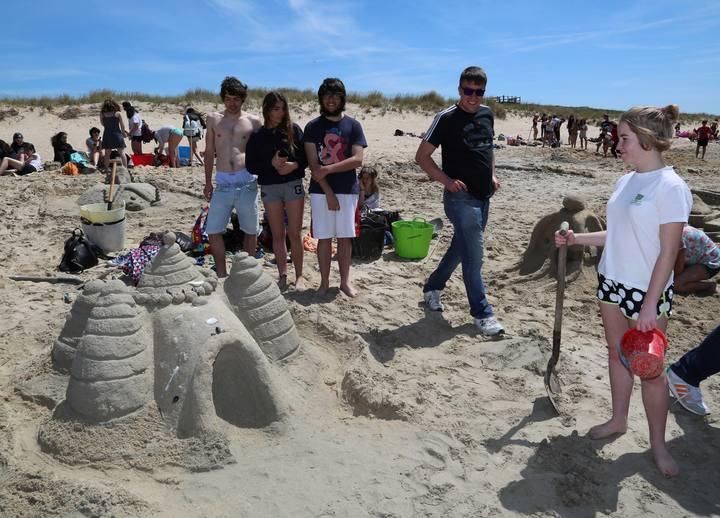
[201, 357]
[542, 243]
[137, 196]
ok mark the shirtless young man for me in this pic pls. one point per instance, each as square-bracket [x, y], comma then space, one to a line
[227, 136]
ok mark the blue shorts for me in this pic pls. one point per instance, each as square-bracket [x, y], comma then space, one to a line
[240, 196]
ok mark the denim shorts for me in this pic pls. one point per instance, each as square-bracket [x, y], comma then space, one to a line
[280, 192]
[240, 196]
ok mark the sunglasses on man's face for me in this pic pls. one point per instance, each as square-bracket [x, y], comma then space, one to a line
[469, 91]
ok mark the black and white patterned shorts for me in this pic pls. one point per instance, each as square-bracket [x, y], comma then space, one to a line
[630, 299]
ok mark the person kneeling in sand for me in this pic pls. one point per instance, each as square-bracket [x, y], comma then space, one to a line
[227, 136]
[635, 274]
[697, 261]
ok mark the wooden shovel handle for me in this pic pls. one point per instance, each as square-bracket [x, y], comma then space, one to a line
[112, 183]
[559, 297]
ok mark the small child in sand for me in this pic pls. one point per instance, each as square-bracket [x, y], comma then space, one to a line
[635, 273]
[369, 190]
[94, 146]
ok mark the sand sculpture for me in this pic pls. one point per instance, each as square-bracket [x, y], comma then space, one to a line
[137, 196]
[535, 263]
[203, 358]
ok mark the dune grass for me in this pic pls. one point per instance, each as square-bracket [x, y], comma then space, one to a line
[427, 102]
[430, 101]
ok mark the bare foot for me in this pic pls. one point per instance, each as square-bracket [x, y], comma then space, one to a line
[282, 282]
[300, 284]
[323, 289]
[665, 463]
[608, 429]
[348, 289]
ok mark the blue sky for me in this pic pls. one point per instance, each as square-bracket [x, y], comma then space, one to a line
[609, 53]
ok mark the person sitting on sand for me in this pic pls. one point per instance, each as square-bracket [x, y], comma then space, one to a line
[5, 149]
[275, 153]
[369, 190]
[703, 137]
[645, 218]
[685, 375]
[18, 145]
[28, 161]
[172, 137]
[62, 150]
[94, 146]
[113, 138]
[697, 261]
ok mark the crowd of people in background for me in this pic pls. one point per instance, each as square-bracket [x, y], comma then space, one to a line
[549, 127]
[20, 157]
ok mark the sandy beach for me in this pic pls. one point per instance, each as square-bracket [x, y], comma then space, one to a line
[394, 411]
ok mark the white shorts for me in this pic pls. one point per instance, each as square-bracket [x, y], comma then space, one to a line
[326, 223]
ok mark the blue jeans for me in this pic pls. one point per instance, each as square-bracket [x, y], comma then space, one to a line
[700, 363]
[468, 216]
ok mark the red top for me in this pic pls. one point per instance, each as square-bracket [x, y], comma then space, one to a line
[703, 133]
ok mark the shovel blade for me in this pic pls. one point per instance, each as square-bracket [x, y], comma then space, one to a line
[552, 387]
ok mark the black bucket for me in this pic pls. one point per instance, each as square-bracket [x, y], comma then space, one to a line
[369, 244]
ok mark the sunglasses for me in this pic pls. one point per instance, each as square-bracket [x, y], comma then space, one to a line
[469, 91]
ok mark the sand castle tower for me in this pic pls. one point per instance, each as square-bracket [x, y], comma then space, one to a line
[258, 303]
[174, 344]
[64, 348]
[111, 373]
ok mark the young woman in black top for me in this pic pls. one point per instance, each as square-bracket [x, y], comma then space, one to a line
[275, 154]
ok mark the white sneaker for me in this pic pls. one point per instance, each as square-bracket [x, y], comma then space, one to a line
[688, 396]
[489, 326]
[432, 300]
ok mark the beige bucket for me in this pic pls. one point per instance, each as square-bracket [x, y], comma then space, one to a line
[105, 228]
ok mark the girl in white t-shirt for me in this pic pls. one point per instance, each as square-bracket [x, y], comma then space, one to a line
[645, 218]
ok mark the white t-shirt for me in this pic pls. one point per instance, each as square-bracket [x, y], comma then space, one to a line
[641, 203]
[136, 119]
[35, 161]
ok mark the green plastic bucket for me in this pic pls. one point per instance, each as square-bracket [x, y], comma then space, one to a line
[412, 238]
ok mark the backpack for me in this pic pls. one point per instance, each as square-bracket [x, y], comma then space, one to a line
[80, 253]
[192, 127]
[146, 134]
[70, 169]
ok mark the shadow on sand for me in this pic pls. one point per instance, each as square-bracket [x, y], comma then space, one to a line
[568, 476]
